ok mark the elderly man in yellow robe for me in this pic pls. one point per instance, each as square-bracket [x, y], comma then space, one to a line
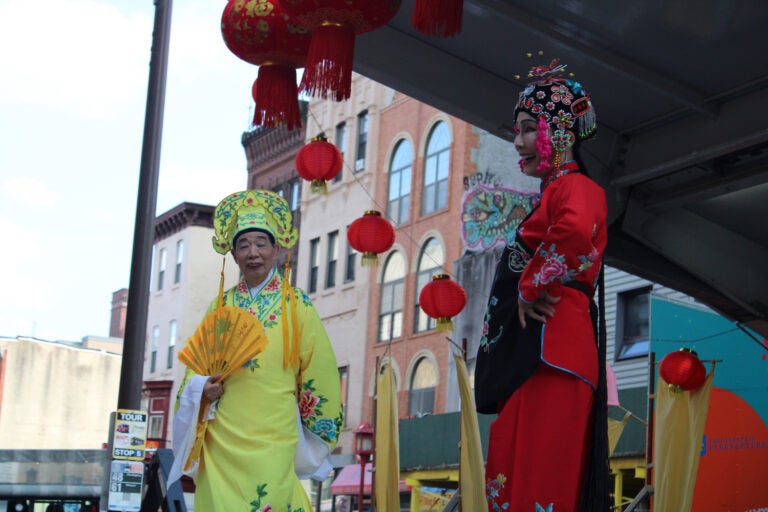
[277, 418]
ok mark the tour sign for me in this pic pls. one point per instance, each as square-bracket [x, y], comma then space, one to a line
[129, 439]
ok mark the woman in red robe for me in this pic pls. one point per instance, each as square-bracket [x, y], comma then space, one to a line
[538, 365]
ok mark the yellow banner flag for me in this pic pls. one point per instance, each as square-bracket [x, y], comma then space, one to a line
[387, 457]
[680, 420]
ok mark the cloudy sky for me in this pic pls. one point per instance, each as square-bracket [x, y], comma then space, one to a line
[73, 89]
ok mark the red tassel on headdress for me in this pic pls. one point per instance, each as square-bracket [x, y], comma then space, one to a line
[438, 18]
[329, 61]
[276, 97]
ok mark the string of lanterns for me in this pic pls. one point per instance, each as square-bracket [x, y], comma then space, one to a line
[281, 36]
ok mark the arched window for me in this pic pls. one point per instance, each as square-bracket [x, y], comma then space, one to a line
[436, 168]
[391, 306]
[421, 398]
[431, 260]
[399, 197]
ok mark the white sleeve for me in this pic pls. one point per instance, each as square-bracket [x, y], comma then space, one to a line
[312, 457]
[185, 427]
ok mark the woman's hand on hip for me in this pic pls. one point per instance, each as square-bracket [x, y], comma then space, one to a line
[540, 309]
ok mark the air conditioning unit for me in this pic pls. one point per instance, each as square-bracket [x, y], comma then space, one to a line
[359, 164]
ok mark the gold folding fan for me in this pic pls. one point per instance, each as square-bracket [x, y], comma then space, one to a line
[226, 339]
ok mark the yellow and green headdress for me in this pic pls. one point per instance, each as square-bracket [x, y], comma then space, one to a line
[262, 210]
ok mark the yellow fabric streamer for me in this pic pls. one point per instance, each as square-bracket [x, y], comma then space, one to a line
[615, 429]
[472, 469]
[290, 336]
[387, 456]
[680, 420]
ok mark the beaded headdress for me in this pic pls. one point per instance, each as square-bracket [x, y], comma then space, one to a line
[561, 102]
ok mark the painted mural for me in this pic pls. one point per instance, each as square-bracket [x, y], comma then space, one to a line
[490, 215]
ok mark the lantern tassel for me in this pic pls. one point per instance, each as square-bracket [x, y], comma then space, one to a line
[276, 97]
[319, 187]
[370, 259]
[444, 324]
[329, 62]
[437, 18]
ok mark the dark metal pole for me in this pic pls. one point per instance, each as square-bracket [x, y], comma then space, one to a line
[129, 395]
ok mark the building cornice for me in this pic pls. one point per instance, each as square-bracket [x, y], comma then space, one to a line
[183, 216]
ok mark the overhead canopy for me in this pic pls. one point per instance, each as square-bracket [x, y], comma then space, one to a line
[681, 93]
[348, 480]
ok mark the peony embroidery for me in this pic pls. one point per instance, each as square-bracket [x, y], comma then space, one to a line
[554, 267]
[307, 404]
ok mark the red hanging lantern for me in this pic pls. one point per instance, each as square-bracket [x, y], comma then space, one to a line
[261, 33]
[318, 162]
[438, 18]
[683, 370]
[371, 235]
[334, 25]
[442, 299]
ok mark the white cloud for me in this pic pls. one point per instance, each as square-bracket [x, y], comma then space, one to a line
[197, 184]
[28, 193]
[80, 56]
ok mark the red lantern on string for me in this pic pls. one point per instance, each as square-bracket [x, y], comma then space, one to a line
[334, 25]
[442, 299]
[371, 235]
[318, 162]
[438, 18]
[261, 33]
[683, 370]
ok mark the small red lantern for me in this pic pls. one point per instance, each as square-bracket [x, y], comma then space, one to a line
[438, 18]
[371, 234]
[261, 33]
[442, 299]
[683, 370]
[317, 162]
[334, 25]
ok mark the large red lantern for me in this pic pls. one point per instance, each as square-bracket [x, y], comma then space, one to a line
[334, 25]
[438, 18]
[371, 235]
[318, 162]
[442, 299]
[261, 33]
[683, 370]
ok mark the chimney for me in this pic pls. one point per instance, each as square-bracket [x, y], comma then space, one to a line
[119, 308]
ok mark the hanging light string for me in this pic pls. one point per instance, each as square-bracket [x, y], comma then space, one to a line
[383, 210]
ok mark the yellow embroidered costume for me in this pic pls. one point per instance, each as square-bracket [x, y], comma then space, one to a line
[246, 462]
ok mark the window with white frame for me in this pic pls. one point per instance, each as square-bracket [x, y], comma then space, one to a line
[171, 343]
[391, 305]
[333, 258]
[421, 397]
[314, 269]
[436, 170]
[362, 140]
[399, 195]
[153, 353]
[295, 194]
[633, 309]
[179, 259]
[350, 262]
[341, 143]
[161, 269]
